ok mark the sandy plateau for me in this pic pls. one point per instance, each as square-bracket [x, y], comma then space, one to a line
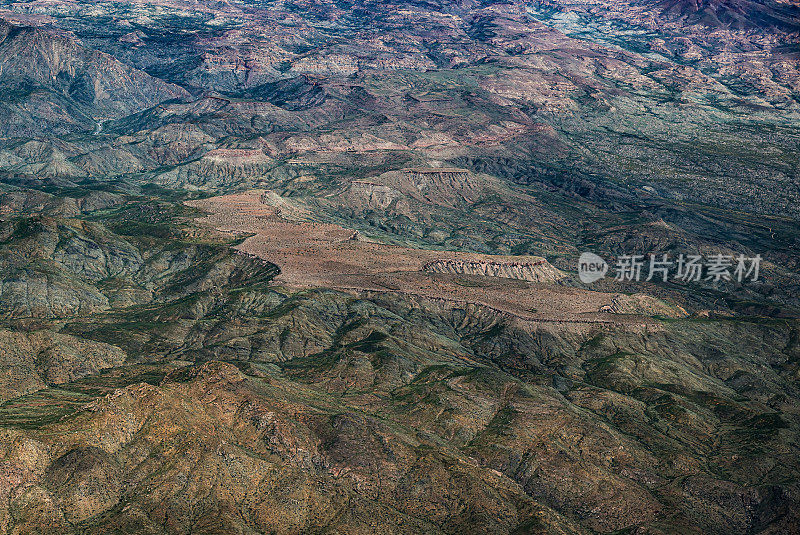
[312, 254]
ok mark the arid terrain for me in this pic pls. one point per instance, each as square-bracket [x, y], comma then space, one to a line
[311, 266]
[313, 255]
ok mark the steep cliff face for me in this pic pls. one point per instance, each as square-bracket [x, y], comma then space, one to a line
[373, 196]
[643, 304]
[444, 185]
[535, 270]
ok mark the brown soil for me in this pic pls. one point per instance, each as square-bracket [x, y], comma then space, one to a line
[314, 254]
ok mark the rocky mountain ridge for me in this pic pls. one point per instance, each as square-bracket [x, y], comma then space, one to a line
[60, 86]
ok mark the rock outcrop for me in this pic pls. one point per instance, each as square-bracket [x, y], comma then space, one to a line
[535, 270]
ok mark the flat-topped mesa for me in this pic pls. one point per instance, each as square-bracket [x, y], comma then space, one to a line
[533, 271]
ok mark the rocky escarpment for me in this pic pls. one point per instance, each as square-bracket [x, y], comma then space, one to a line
[538, 270]
[451, 175]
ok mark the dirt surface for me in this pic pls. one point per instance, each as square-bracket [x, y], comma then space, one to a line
[314, 254]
